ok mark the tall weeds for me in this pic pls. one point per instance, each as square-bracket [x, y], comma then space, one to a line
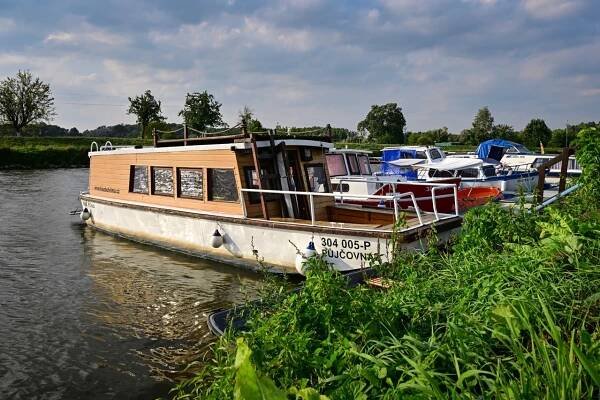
[511, 311]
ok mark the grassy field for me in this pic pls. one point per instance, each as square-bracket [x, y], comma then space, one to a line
[511, 311]
[51, 152]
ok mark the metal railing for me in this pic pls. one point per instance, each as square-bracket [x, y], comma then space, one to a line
[311, 195]
[392, 184]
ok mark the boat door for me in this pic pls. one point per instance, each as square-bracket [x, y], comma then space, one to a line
[298, 183]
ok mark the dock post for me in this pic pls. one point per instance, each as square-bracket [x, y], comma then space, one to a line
[185, 134]
[154, 137]
[564, 165]
[541, 182]
[329, 134]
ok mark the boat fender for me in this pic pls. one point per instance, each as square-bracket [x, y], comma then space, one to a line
[301, 258]
[217, 239]
[85, 214]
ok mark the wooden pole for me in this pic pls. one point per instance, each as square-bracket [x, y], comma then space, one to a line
[564, 165]
[329, 134]
[263, 204]
[541, 182]
[185, 134]
[154, 137]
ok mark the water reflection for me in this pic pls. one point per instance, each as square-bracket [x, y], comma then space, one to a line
[87, 315]
[160, 296]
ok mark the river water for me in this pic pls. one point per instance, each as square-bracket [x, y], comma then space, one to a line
[87, 315]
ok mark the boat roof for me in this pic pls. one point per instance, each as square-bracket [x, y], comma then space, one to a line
[349, 151]
[237, 145]
[483, 150]
[452, 164]
[406, 162]
[407, 147]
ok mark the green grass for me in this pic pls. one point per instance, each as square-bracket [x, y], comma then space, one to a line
[51, 152]
[511, 311]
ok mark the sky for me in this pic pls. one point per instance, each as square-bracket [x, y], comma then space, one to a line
[313, 62]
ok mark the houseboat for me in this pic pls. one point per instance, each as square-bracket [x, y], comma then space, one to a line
[258, 201]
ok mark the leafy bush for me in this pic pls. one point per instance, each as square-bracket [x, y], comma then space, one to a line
[511, 311]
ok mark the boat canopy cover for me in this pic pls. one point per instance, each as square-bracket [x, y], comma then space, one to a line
[406, 158]
[494, 148]
[452, 164]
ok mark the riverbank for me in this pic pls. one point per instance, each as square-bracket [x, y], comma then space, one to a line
[510, 311]
[51, 152]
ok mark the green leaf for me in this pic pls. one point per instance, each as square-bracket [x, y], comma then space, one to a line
[248, 385]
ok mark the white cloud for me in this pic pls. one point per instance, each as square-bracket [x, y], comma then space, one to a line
[7, 24]
[591, 92]
[86, 34]
[251, 33]
[551, 9]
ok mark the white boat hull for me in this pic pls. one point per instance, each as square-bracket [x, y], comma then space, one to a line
[245, 244]
[508, 183]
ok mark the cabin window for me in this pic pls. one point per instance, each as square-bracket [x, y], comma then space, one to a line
[489, 171]
[468, 173]
[138, 179]
[190, 183]
[344, 187]
[420, 155]
[353, 164]
[436, 173]
[435, 154]
[363, 163]
[317, 179]
[336, 165]
[162, 181]
[221, 185]
[252, 183]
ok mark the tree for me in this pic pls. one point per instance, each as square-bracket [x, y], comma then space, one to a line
[73, 131]
[252, 124]
[385, 124]
[504, 131]
[536, 132]
[147, 110]
[24, 100]
[201, 111]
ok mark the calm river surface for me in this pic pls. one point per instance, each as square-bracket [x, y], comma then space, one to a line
[87, 315]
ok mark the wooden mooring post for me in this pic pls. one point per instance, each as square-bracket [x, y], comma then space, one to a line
[563, 158]
[185, 134]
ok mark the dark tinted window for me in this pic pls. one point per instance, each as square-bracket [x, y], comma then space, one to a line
[221, 185]
[365, 167]
[490, 170]
[353, 164]
[469, 173]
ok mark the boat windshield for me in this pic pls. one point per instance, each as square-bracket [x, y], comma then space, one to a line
[489, 171]
[468, 173]
[363, 163]
[336, 165]
[353, 164]
[435, 154]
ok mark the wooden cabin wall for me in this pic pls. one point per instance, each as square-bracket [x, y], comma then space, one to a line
[110, 174]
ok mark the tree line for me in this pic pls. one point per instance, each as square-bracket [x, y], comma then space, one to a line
[27, 107]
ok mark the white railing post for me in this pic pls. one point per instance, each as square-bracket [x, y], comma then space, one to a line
[312, 209]
[434, 203]
[416, 206]
[455, 190]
